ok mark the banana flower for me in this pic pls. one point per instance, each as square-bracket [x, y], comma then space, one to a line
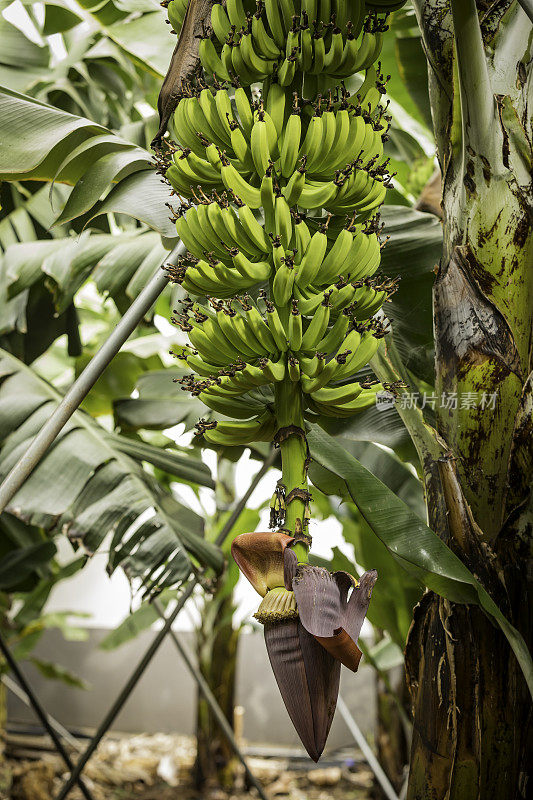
[312, 623]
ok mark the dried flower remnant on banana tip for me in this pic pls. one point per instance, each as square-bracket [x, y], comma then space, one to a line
[280, 172]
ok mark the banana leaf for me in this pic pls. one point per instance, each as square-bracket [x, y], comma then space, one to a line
[89, 489]
[43, 143]
[159, 404]
[141, 34]
[415, 546]
[21, 563]
[45, 275]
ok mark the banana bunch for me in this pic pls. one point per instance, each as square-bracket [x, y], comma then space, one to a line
[279, 192]
[321, 39]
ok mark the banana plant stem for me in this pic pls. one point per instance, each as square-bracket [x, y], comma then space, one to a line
[289, 412]
[84, 383]
[211, 700]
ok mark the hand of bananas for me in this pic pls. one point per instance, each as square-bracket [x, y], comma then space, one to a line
[280, 186]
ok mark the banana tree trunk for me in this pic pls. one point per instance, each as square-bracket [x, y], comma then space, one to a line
[471, 705]
[216, 766]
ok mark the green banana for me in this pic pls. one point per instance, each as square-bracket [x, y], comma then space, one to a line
[290, 144]
[282, 221]
[234, 182]
[275, 23]
[229, 407]
[276, 327]
[295, 328]
[335, 335]
[220, 22]
[275, 106]
[317, 327]
[244, 110]
[283, 283]
[252, 228]
[259, 146]
[311, 263]
[265, 42]
[337, 395]
[176, 10]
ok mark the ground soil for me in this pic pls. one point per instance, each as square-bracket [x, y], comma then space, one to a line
[159, 768]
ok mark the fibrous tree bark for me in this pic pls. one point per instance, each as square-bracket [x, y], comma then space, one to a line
[472, 710]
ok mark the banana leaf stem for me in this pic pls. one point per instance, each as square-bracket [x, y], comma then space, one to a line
[478, 110]
[527, 5]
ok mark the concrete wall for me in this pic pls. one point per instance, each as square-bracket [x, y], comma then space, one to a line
[164, 699]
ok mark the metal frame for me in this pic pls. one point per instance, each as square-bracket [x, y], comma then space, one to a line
[43, 716]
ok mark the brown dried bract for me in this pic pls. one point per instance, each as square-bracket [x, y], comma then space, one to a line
[184, 62]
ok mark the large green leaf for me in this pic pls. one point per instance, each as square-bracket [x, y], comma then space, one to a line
[25, 554]
[88, 488]
[44, 143]
[159, 403]
[178, 462]
[396, 593]
[28, 216]
[85, 70]
[121, 265]
[395, 474]
[143, 35]
[146, 40]
[413, 251]
[415, 546]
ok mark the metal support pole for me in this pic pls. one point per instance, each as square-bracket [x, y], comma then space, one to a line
[60, 729]
[527, 5]
[156, 643]
[203, 686]
[367, 751]
[84, 383]
[43, 717]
